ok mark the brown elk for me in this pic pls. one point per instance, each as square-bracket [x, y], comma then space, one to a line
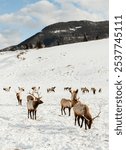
[67, 88]
[35, 89]
[67, 103]
[7, 89]
[84, 90]
[19, 95]
[94, 90]
[81, 111]
[52, 89]
[32, 104]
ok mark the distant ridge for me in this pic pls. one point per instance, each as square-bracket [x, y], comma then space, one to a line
[64, 33]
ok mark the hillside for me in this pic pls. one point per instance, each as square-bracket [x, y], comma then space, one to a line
[76, 65]
[65, 33]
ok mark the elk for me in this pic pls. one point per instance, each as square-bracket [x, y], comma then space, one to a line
[19, 98]
[32, 104]
[100, 90]
[81, 111]
[21, 89]
[35, 89]
[19, 95]
[7, 89]
[84, 90]
[94, 90]
[67, 88]
[67, 103]
[52, 89]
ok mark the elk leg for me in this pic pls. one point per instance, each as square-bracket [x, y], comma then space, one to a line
[82, 122]
[61, 110]
[21, 102]
[30, 114]
[69, 111]
[64, 111]
[86, 124]
[78, 119]
[75, 119]
[35, 114]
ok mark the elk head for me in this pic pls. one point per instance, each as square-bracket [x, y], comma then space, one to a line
[90, 120]
[37, 98]
[73, 94]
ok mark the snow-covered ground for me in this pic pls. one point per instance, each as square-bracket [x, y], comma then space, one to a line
[75, 65]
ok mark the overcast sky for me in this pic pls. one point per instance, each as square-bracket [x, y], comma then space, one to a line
[20, 19]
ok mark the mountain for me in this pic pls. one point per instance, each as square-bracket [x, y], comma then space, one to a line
[77, 65]
[65, 33]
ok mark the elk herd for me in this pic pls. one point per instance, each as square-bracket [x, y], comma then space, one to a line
[82, 114]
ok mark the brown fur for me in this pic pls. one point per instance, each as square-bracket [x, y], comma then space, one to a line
[32, 104]
[19, 95]
[81, 111]
[67, 103]
[19, 98]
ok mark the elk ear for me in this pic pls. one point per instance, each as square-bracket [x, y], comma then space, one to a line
[77, 91]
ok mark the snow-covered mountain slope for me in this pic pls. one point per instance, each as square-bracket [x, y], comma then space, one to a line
[75, 65]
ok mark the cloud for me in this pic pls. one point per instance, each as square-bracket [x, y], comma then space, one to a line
[34, 17]
[9, 37]
[46, 12]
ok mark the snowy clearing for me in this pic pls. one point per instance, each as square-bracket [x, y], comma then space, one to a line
[74, 65]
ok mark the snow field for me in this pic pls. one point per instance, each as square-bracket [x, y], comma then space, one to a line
[76, 65]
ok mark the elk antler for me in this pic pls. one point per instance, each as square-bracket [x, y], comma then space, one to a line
[31, 94]
[96, 116]
[85, 118]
